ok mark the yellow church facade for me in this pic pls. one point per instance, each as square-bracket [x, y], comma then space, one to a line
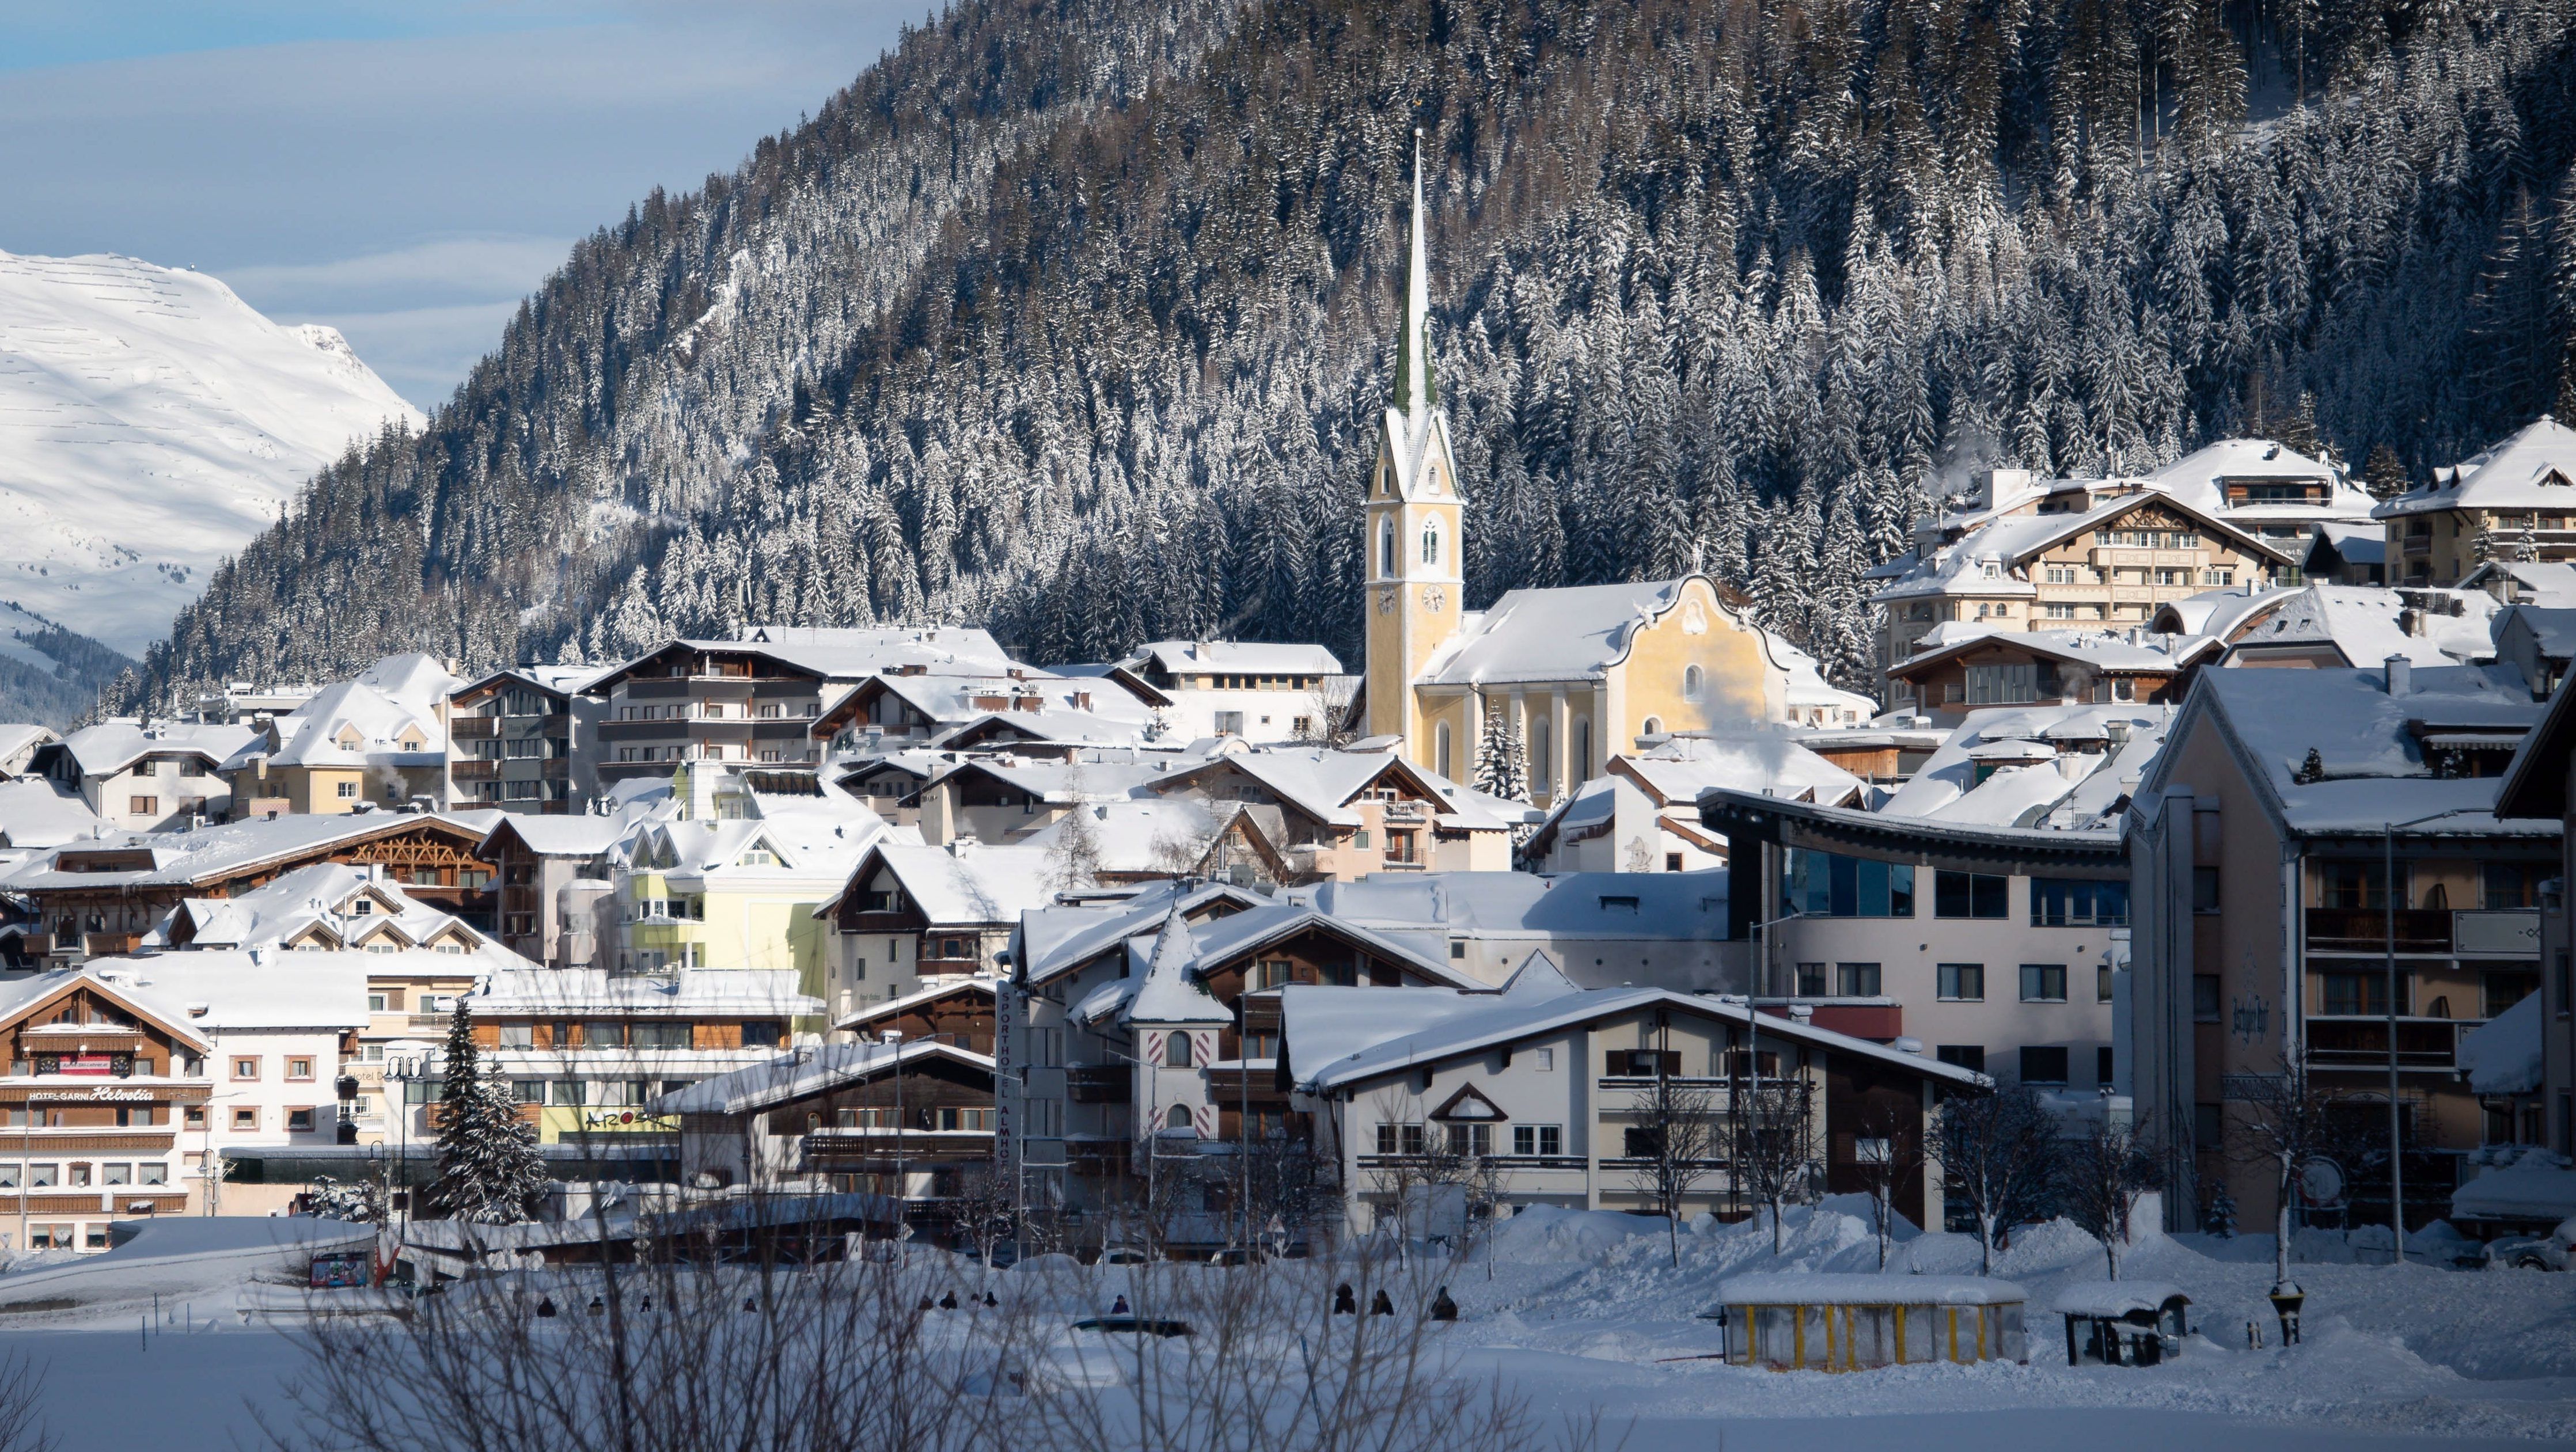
[1580, 672]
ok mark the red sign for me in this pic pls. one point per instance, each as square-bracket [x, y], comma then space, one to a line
[90, 1066]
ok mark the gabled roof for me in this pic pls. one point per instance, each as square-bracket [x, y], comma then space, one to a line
[979, 985]
[37, 811]
[2533, 467]
[1947, 787]
[836, 655]
[1679, 769]
[2199, 479]
[1055, 940]
[110, 978]
[2534, 582]
[552, 680]
[1169, 990]
[2367, 740]
[963, 884]
[1235, 657]
[320, 900]
[2010, 543]
[1360, 1035]
[111, 746]
[2101, 650]
[1570, 633]
[2535, 785]
[761, 992]
[213, 855]
[251, 991]
[1321, 783]
[809, 1071]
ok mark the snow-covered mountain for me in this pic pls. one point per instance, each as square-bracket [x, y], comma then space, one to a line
[150, 424]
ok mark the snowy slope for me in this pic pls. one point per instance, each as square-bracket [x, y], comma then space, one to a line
[150, 424]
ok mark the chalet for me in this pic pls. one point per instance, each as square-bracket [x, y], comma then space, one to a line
[912, 1119]
[906, 914]
[100, 1078]
[145, 777]
[2516, 501]
[1250, 689]
[549, 874]
[101, 897]
[1344, 814]
[1950, 676]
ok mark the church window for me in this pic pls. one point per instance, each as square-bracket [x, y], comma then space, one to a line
[1694, 682]
[1386, 548]
[1580, 763]
[1541, 765]
[1431, 542]
[1440, 734]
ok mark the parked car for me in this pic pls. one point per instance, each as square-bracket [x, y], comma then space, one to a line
[2555, 1251]
[1124, 1255]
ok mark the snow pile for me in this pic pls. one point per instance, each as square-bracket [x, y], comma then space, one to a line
[2502, 1055]
[153, 424]
[2537, 1186]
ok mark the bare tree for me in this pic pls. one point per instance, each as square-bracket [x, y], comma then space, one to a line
[1422, 1173]
[1073, 850]
[22, 1425]
[2102, 1176]
[2287, 1122]
[1887, 1152]
[1999, 1151]
[1330, 726]
[1772, 1143]
[985, 1211]
[1673, 1147]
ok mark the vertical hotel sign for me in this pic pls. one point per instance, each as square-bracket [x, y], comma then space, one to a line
[1006, 1090]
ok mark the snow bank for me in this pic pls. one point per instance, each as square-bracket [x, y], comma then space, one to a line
[2115, 1298]
[1542, 1233]
[1795, 1288]
[2538, 1186]
[2502, 1055]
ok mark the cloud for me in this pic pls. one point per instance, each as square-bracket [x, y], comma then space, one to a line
[454, 268]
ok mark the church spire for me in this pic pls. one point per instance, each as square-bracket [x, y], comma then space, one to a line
[1414, 389]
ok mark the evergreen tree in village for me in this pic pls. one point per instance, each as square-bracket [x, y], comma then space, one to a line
[993, 337]
[489, 1171]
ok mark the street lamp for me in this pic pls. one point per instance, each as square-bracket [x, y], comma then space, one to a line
[2397, 1110]
[405, 1059]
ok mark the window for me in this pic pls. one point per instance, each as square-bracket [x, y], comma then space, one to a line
[1398, 1139]
[1811, 980]
[1431, 541]
[1229, 723]
[1856, 980]
[2357, 993]
[2500, 991]
[299, 1121]
[1694, 682]
[2204, 889]
[1964, 1056]
[376, 1003]
[1386, 549]
[2218, 577]
[2357, 884]
[661, 1036]
[1440, 751]
[763, 1033]
[2057, 902]
[2205, 997]
[568, 1093]
[2043, 1065]
[345, 790]
[1641, 1143]
[1176, 1051]
[1538, 1139]
[1546, 1061]
[245, 1119]
[2102, 1066]
[1969, 895]
[2003, 685]
[299, 1069]
[144, 806]
[1651, 726]
[245, 1068]
[2043, 983]
[1962, 982]
[1641, 1063]
[1824, 885]
[518, 1036]
[2061, 574]
[2510, 885]
[1475, 1140]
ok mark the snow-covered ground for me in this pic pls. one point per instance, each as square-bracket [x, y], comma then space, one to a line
[151, 423]
[1577, 1311]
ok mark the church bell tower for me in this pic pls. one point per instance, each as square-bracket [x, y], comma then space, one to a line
[1414, 516]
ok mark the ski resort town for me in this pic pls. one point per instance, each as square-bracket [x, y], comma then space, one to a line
[2207, 826]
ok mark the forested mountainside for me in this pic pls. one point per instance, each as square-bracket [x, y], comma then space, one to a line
[1071, 319]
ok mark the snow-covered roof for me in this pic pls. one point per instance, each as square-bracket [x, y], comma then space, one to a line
[18, 995]
[2126, 652]
[1235, 657]
[842, 654]
[37, 812]
[2199, 479]
[1408, 1027]
[2366, 624]
[1144, 835]
[568, 835]
[808, 1071]
[18, 736]
[1321, 783]
[2503, 1055]
[1822, 1288]
[1168, 991]
[2532, 468]
[2117, 1298]
[980, 983]
[2532, 582]
[352, 724]
[1990, 560]
[2552, 628]
[2063, 792]
[111, 746]
[2366, 740]
[1675, 906]
[328, 905]
[2365, 543]
[966, 882]
[1677, 770]
[1572, 633]
[213, 853]
[249, 991]
[1056, 938]
[750, 991]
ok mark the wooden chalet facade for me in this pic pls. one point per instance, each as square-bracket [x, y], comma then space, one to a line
[100, 1086]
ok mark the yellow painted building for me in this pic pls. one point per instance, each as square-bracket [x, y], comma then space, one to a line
[1582, 672]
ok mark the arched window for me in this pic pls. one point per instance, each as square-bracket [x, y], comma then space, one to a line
[1654, 726]
[1176, 1051]
[1542, 766]
[1178, 1118]
[1579, 765]
[1386, 549]
[1694, 682]
[1440, 751]
[1431, 541]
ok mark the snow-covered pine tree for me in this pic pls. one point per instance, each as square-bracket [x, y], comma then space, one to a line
[489, 1171]
[2220, 1219]
[360, 1202]
[1502, 763]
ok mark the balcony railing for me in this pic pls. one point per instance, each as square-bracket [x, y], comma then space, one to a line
[1099, 1085]
[474, 728]
[2365, 930]
[2362, 1043]
[474, 768]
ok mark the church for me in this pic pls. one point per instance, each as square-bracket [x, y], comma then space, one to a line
[1580, 672]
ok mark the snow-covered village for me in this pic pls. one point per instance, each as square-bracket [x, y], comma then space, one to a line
[1189, 724]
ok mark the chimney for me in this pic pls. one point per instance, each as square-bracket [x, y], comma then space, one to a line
[2401, 675]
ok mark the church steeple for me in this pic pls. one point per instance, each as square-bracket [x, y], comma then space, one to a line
[1414, 388]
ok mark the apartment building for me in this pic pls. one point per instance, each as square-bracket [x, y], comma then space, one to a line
[714, 701]
[520, 740]
[2516, 502]
[912, 1119]
[912, 917]
[1345, 814]
[100, 1077]
[1950, 676]
[144, 777]
[2534, 790]
[1993, 947]
[1249, 689]
[2267, 918]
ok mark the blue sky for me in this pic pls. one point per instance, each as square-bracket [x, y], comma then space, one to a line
[404, 171]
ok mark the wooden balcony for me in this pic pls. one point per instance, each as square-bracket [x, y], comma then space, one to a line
[1228, 1087]
[2365, 930]
[2362, 1043]
[474, 728]
[474, 768]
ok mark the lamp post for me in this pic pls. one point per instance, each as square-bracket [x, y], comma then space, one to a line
[2396, 1109]
[404, 1061]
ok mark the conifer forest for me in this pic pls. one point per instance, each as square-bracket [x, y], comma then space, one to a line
[1072, 319]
